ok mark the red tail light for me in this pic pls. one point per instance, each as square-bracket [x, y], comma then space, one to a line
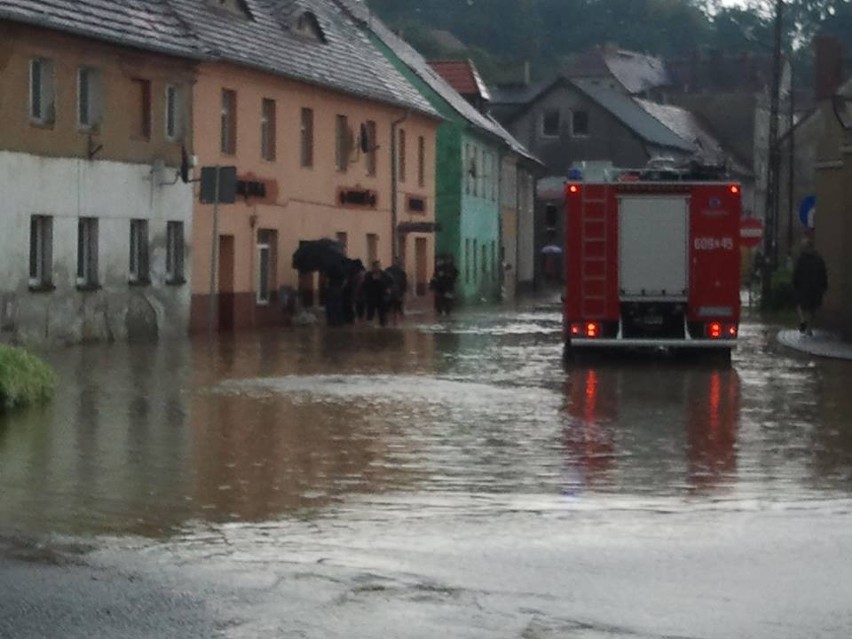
[714, 330]
[573, 189]
[589, 330]
[735, 189]
[731, 331]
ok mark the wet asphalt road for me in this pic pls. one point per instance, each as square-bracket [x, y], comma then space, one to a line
[438, 479]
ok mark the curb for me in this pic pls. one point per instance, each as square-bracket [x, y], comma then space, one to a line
[821, 344]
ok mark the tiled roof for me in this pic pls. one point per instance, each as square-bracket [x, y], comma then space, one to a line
[345, 60]
[150, 25]
[463, 76]
[636, 72]
[418, 65]
[686, 125]
[632, 115]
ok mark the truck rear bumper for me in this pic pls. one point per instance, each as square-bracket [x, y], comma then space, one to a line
[653, 343]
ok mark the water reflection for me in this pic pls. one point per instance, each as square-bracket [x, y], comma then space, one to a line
[832, 436]
[651, 427]
[146, 438]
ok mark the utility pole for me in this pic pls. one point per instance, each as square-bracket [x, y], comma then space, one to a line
[773, 166]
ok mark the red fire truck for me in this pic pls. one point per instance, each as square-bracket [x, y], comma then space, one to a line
[652, 259]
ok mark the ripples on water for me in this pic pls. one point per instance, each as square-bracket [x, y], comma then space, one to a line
[475, 413]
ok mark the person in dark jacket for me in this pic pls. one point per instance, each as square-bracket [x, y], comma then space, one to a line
[400, 287]
[443, 284]
[810, 282]
[377, 289]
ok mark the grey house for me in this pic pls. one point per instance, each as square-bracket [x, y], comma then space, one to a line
[570, 121]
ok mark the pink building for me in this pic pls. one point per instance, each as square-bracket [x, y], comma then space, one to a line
[305, 109]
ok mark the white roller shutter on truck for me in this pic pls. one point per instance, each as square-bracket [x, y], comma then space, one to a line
[653, 244]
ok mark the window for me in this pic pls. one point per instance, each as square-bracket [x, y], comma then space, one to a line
[307, 137]
[142, 89]
[174, 253]
[308, 26]
[89, 98]
[495, 177]
[342, 143]
[579, 123]
[550, 124]
[371, 147]
[468, 168]
[87, 251]
[421, 161]
[476, 172]
[343, 240]
[42, 106]
[550, 216]
[267, 241]
[228, 132]
[139, 272]
[267, 129]
[174, 113]
[41, 250]
[401, 156]
[473, 260]
[372, 248]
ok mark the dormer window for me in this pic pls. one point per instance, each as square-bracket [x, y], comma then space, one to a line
[308, 26]
[237, 7]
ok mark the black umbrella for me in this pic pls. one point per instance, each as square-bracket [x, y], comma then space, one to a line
[325, 255]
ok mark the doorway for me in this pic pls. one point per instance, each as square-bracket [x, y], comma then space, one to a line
[421, 265]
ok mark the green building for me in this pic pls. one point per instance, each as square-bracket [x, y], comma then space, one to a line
[470, 150]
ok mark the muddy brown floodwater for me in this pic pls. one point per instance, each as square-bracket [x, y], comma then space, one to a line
[441, 478]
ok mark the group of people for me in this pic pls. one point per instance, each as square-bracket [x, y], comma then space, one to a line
[362, 294]
[359, 294]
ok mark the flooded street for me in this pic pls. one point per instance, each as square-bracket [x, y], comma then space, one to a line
[447, 478]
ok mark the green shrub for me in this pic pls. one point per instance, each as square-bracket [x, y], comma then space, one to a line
[781, 294]
[24, 378]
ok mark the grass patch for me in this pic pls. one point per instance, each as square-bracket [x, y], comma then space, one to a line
[24, 378]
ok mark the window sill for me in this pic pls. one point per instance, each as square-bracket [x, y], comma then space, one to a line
[262, 303]
[140, 282]
[88, 288]
[42, 288]
[41, 124]
[178, 281]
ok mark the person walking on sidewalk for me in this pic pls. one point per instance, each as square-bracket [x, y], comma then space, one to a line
[810, 282]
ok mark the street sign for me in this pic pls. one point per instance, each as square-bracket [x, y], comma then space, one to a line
[807, 211]
[751, 232]
[225, 177]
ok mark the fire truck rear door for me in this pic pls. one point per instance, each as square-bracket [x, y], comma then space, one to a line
[653, 239]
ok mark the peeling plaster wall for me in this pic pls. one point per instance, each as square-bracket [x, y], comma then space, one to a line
[115, 193]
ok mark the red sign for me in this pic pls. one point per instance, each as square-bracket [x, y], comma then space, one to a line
[751, 232]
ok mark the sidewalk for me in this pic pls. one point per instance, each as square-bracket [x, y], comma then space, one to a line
[821, 344]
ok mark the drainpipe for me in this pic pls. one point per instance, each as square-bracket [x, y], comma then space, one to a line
[394, 186]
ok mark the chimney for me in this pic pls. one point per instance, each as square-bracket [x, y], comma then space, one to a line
[828, 66]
